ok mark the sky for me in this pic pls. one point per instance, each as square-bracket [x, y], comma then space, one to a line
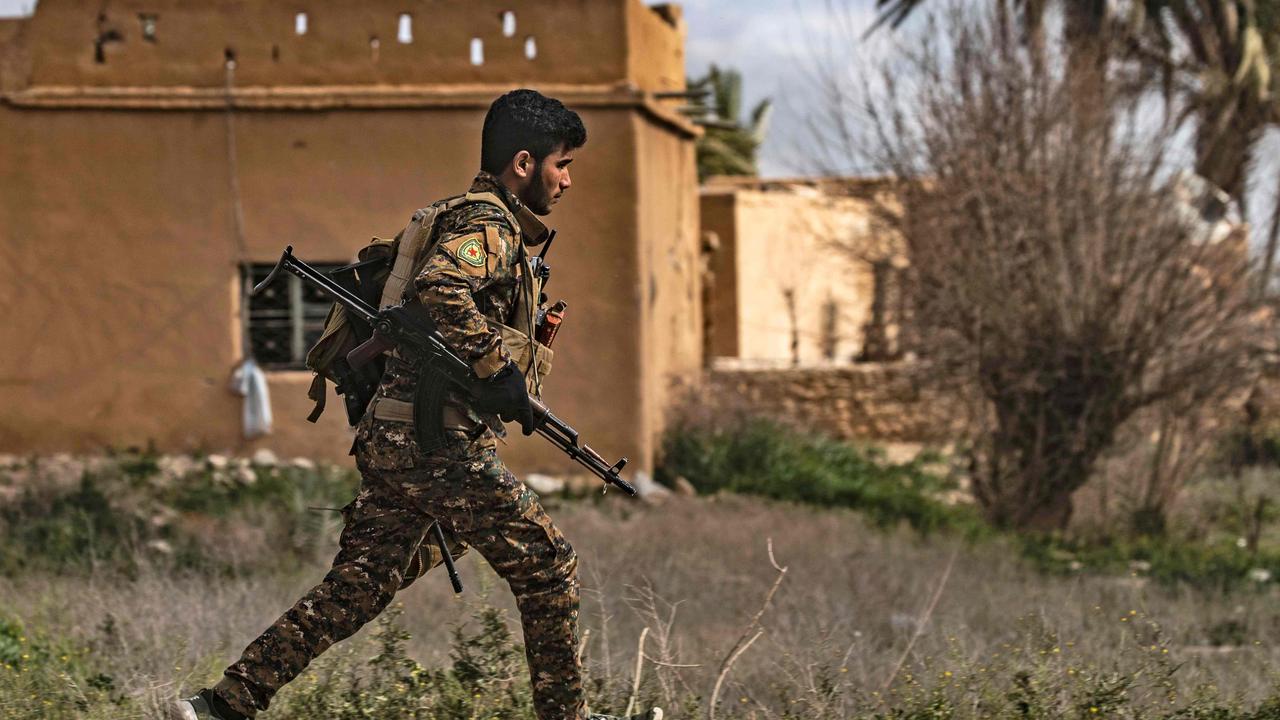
[773, 43]
[769, 41]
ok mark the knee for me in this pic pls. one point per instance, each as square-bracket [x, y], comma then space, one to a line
[364, 578]
[554, 572]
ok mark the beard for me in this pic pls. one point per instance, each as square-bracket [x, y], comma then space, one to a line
[539, 199]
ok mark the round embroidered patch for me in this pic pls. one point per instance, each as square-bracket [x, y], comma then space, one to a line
[471, 253]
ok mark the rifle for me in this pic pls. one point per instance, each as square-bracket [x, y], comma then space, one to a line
[406, 326]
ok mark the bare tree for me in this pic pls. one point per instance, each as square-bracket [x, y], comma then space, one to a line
[1055, 264]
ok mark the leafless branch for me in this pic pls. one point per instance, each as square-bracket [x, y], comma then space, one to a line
[744, 641]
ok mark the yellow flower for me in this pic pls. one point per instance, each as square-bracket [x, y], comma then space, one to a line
[1093, 709]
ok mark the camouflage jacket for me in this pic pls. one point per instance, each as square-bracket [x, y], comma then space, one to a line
[470, 280]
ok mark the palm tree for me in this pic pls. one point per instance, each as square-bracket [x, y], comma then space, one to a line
[729, 145]
[1212, 56]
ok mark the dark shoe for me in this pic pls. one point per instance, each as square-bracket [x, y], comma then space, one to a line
[651, 714]
[205, 706]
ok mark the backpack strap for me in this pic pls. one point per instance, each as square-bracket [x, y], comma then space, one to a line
[492, 199]
[416, 240]
[411, 241]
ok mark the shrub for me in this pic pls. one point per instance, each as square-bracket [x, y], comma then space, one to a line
[1218, 566]
[47, 677]
[132, 507]
[77, 528]
[759, 457]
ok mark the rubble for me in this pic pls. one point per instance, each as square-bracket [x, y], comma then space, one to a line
[544, 484]
[265, 457]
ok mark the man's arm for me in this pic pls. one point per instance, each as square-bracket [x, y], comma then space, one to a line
[461, 265]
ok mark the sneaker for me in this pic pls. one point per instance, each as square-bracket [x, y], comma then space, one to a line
[205, 706]
[651, 714]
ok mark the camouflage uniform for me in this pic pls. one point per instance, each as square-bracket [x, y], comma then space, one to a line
[471, 278]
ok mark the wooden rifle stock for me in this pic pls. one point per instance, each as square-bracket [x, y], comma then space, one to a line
[369, 350]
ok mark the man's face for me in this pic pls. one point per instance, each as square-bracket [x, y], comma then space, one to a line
[549, 181]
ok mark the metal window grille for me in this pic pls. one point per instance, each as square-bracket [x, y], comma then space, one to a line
[286, 319]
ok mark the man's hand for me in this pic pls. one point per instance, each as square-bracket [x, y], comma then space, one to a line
[505, 395]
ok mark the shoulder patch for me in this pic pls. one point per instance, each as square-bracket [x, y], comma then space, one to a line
[471, 252]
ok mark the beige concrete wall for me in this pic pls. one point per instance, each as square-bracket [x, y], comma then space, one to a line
[191, 39]
[800, 241]
[670, 278]
[14, 59]
[655, 46]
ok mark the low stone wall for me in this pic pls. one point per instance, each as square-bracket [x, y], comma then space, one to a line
[897, 402]
[894, 402]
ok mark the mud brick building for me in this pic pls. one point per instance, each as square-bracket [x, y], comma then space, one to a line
[156, 155]
[800, 273]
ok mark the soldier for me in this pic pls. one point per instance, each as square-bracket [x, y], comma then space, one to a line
[470, 285]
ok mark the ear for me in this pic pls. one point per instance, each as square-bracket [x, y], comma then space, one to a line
[523, 164]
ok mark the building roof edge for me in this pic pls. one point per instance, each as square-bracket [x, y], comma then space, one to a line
[330, 97]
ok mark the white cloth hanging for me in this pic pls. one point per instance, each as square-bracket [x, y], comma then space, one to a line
[250, 382]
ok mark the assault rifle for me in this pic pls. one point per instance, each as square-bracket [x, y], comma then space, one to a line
[406, 326]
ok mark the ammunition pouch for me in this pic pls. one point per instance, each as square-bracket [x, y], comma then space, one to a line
[532, 357]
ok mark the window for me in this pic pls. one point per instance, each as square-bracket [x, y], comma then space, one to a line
[404, 30]
[148, 26]
[477, 51]
[530, 48]
[508, 24]
[300, 24]
[286, 319]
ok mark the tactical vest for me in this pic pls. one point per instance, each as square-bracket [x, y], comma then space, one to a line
[405, 256]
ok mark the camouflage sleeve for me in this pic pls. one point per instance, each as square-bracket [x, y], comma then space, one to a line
[463, 264]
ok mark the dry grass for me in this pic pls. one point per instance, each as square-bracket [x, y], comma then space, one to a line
[695, 572]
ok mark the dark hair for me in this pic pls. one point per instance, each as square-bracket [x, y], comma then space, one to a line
[527, 120]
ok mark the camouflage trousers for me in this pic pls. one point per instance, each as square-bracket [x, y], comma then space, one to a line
[385, 545]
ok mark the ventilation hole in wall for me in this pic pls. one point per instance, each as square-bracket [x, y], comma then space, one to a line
[530, 48]
[229, 57]
[374, 45]
[148, 26]
[300, 24]
[508, 24]
[99, 44]
[275, 53]
[477, 51]
[404, 29]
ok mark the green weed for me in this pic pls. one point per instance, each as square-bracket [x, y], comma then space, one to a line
[759, 457]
